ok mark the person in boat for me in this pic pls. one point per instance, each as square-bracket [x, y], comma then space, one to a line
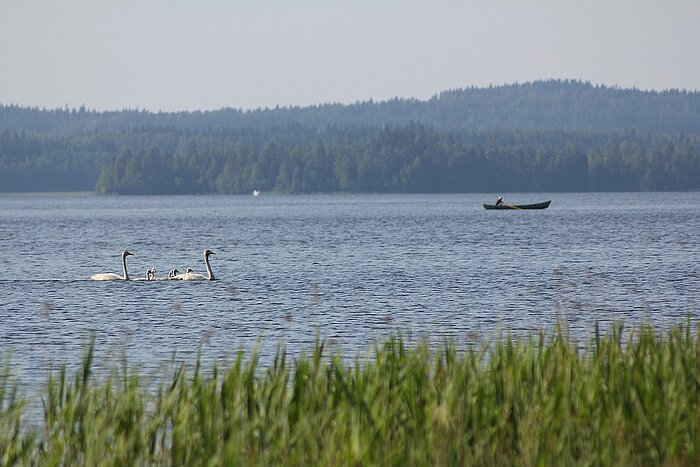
[499, 201]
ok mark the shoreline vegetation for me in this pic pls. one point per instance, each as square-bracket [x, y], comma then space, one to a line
[626, 397]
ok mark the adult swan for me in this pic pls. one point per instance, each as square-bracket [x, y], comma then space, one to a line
[193, 276]
[110, 276]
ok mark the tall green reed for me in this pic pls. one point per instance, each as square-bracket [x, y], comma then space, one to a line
[623, 398]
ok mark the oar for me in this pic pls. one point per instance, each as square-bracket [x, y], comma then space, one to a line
[512, 207]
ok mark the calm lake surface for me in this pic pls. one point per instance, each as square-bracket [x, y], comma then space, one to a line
[350, 268]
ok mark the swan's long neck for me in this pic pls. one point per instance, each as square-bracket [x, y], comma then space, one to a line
[126, 274]
[210, 274]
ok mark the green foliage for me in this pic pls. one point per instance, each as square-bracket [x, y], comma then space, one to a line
[542, 136]
[413, 159]
[16, 445]
[624, 399]
[552, 104]
[416, 158]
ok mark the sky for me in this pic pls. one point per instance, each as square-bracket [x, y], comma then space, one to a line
[178, 55]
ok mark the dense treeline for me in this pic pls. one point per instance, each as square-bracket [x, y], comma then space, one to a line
[553, 104]
[543, 136]
[34, 162]
[412, 158]
[416, 158]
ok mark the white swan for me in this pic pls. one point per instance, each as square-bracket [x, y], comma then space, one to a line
[110, 276]
[146, 278]
[193, 276]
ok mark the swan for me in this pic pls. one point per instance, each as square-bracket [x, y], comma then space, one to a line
[150, 275]
[110, 276]
[172, 273]
[146, 278]
[193, 276]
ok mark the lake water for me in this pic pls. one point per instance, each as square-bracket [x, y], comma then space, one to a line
[350, 268]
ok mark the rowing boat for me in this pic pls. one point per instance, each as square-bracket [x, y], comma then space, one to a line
[543, 205]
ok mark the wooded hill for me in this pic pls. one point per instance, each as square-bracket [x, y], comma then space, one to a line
[541, 136]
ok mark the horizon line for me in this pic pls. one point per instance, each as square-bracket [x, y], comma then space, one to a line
[370, 100]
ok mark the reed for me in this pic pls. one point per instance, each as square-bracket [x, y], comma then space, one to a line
[624, 398]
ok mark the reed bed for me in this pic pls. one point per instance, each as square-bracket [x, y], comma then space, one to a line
[624, 398]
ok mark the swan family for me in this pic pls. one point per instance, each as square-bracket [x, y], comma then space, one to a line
[174, 274]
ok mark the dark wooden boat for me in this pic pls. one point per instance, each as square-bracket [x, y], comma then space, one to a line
[543, 205]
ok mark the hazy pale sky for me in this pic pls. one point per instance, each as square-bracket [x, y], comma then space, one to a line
[208, 54]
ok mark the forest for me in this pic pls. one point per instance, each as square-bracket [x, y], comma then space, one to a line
[542, 136]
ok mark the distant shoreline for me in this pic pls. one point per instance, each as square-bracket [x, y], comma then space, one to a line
[48, 193]
[340, 193]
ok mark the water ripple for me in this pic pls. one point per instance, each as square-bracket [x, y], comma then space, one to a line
[350, 268]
